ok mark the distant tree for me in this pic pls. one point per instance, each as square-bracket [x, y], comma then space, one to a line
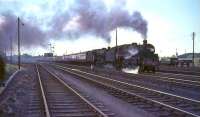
[2, 69]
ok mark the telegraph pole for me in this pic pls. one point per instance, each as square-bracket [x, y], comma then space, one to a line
[18, 38]
[5, 51]
[116, 49]
[176, 53]
[49, 47]
[11, 48]
[116, 37]
[193, 36]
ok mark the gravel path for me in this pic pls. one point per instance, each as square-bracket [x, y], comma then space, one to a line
[16, 97]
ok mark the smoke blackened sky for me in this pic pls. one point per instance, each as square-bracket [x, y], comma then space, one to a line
[170, 23]
[83, 17]
[31, 35]
[92, 16]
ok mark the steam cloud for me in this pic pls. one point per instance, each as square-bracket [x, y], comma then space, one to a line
[30, 34]
[93, 17]
[83, 17]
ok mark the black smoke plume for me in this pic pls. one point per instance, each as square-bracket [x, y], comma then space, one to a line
[84, 17]
[95, 18]
[31, 35]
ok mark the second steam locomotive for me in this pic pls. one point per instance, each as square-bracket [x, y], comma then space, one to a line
[123, 56]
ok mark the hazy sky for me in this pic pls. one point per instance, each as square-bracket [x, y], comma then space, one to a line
[170, 24]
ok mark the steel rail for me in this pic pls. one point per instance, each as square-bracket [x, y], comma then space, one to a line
[163, 78]
[184, 72]
[178, 74]
[95, 109]
[195, 101]
[47, 112]
[169, 78]
[151, 100]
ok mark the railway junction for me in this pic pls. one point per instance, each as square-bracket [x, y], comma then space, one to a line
[99, 58]
[64, 90]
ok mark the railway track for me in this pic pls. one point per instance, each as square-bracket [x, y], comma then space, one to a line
[35, 107]
[185, 72]
[189, 81]
[62, 100]
[161, 103]
[183, 82]
[170, 85]
[180, 76]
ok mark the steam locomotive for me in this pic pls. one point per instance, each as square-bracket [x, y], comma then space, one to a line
[123, 56]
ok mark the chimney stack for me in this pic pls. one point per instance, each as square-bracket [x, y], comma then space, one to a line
[144, 42]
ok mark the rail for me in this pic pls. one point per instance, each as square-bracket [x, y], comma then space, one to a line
[73, 71]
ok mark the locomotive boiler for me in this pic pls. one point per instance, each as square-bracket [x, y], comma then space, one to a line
[123, 56]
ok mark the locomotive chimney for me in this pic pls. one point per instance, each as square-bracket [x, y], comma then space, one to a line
[144, 42]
